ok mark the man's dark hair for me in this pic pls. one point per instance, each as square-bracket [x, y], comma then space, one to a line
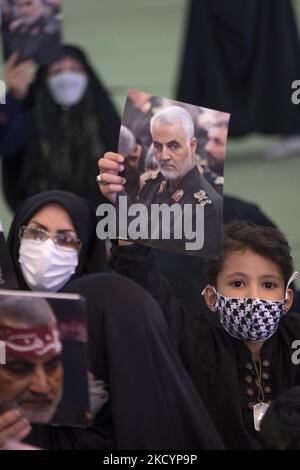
[280, 427]
[265, 241]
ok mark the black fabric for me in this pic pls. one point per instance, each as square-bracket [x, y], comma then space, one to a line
[219, 365]
[92, 256]
[242, 57]
[186, 273]
[62, 145]
[98, 437]
[153, 403]
[192, 185]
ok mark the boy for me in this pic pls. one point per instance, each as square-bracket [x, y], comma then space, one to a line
[237, 365]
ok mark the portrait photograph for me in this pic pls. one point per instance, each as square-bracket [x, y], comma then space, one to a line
[45, 372]
[174, 159]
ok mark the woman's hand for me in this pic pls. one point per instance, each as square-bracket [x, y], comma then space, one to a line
[19, 77]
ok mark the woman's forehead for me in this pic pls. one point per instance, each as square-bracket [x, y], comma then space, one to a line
[53, 215]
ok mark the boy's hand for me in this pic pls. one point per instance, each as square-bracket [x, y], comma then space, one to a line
[110, 182]
[13, 426]
[19, 77]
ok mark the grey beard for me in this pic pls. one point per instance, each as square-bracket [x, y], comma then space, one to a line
[42, 416]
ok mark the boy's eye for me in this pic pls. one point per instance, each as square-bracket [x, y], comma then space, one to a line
[237, 284]
[269, 285]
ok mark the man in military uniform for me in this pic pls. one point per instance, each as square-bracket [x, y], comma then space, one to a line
[178, 181]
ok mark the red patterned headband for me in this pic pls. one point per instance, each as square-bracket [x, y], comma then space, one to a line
[41, 342]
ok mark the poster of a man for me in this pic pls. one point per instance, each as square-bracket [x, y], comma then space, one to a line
[174, 173]
[33, 376]
[31, 28]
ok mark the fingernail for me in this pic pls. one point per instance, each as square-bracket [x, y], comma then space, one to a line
[121, 167]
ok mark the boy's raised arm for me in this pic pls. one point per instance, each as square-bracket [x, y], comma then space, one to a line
[140, 264]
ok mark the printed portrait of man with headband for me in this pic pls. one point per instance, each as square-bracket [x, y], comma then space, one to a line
[33, 376]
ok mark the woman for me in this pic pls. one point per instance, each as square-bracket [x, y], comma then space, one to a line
[55, 127]
[52, 239]
[243, 57]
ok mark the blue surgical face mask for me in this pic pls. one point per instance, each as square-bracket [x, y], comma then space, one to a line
[250, 319]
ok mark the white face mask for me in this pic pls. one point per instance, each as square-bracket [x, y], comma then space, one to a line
[45, 266]
[67, 88]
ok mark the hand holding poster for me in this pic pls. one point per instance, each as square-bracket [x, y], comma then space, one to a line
[45, 373]
[173, 175]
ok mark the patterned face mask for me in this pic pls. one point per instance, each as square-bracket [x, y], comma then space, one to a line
[249, 319]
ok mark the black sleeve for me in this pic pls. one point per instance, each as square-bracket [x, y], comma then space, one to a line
[13, 128]
[140, 264]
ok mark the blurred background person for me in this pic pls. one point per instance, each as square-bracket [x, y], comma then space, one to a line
[215, 147]
[32, 379]
[56, 123]
[242, 57]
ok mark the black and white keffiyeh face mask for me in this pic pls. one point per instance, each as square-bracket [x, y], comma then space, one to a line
[250, 319]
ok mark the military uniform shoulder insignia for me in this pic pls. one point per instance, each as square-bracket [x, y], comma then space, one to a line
[178, 195]
[162, 187]
[202, 197]
[219, 180]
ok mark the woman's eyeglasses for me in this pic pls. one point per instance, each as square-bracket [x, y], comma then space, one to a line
[63, 240]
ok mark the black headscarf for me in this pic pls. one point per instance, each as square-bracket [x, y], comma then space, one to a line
[63, 145]
[92, 256]
[251, 49]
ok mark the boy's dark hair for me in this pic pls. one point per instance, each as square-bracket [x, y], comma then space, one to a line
[280, 427]
[265, 241]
